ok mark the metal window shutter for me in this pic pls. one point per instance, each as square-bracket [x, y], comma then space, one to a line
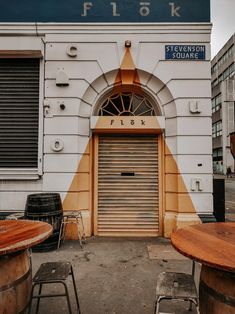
[128, 205]
[19, 110]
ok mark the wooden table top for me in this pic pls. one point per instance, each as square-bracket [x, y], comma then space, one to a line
[212, 244]
[18, 235]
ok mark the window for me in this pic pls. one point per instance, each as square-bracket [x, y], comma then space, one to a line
[214, 83]
[220, 79]
[216, 103]
[217, 129]
[231, 70]
[19, 113]
[218, 160]
[126, 104]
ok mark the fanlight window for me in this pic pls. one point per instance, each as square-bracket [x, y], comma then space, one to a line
[126, 104]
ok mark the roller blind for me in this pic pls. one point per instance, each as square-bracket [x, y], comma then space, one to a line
[128, 195]
[19, 112]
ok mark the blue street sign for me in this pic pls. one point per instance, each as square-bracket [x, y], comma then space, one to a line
[185, 52]
[112, 11]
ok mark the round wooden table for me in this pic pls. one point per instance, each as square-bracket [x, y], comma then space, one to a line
[16, 236]
[213, 245]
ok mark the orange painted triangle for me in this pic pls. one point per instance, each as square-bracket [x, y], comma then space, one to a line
[127, 74]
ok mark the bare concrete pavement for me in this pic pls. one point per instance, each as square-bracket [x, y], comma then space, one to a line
[116, 275]
[119, 276]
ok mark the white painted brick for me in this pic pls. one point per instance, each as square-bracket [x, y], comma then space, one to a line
[171, 127]
[191, 163]
[8, 185]
[194, 126]
[71, 144]
[164, 96]
[61, 182]
[105, 53]
[148, 55]
[85, 110]
[159, 33]
[61, 125]
[188, 126]
[166, 70]
[111, 76]
[170, 110]
[203, 202]
[100, 84]
[180, 107]
[197, 145]
[85, 70]
[84, 126]
[83, 144]
[154, 84]
[190, 88]
[72, 106]
[76, 88]
[144, 77]
[61, 162]
[57, 182]
[90, 96]
[206, 179]
[14, 200]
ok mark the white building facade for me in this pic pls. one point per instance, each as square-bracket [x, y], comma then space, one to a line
[114, 116]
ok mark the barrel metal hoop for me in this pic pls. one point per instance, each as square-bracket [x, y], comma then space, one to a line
[16, 282]
[218, 296]
[48, 214]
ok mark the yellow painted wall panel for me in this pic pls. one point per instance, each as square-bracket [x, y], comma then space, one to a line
[84, 165]
[170, 165]
[77, 201]
[80, 182]
[180, 203]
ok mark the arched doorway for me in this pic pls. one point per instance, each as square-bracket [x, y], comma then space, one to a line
[127, 167]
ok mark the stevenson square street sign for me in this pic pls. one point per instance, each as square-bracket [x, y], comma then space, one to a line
[105, 11]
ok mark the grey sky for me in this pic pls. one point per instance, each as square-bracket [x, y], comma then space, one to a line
[223, 19]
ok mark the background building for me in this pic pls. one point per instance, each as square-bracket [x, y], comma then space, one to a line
[223, 106]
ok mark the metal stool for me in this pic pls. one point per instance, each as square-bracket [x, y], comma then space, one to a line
[72, 217]
[181, 286]
[16, 216]
[52, 273]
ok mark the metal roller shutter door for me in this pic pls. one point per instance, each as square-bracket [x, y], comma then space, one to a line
[128, 196]
[19, 113]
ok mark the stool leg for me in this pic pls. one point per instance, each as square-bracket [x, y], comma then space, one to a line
[75, 290]
[67, 297]
[83, 230]
[31, 299]
[38, 300]
[79, 234]
[157, 305]
[64, 229]
[60, 235]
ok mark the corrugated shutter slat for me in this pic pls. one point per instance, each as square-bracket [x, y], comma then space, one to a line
[128, 204]
[19, 113]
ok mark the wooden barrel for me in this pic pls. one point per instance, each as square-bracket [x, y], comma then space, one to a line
[15, 282]
[46, 207]
[216, 291]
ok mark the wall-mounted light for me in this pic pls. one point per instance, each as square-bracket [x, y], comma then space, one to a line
[62, 106]
[47, 108]
[62, 78]
[57, 145]
[128, 44]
